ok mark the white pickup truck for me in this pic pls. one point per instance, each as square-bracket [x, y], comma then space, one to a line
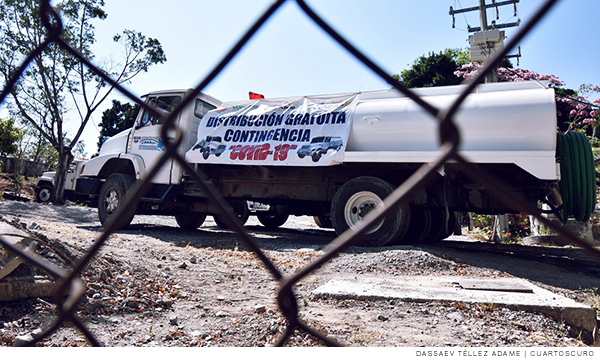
[263, 154]
[45, 184]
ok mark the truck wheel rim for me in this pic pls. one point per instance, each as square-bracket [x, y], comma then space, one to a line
[44, 195]
[358, 206]
[112, 201]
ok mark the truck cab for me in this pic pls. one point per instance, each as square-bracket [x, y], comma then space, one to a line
[136, 150]
[128, 156]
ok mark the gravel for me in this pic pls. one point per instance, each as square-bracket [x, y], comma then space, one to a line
[154, 284]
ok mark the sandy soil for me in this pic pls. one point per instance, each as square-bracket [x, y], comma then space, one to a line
[154, 284]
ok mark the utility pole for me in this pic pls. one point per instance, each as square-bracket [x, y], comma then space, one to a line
[487, 39]
[483, 15]
[492, 76]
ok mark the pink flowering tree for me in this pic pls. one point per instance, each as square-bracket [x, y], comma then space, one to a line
[505, 74]
[583, 113]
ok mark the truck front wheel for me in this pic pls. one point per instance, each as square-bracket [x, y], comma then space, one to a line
[190, 220]
[356, 198]
[43, 194]
[112, 198]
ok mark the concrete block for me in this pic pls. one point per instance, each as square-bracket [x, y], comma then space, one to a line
[9, 261]
[580, 229]
[21, 288]
[447, 288]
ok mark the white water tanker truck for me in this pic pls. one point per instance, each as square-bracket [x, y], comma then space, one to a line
[335, 157]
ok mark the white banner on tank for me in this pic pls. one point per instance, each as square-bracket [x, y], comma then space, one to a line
[302, 131]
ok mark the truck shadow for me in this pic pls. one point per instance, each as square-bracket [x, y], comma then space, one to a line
[214, 237]
[567, 268]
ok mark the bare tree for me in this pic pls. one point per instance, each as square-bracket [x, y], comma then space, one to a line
[56, 85]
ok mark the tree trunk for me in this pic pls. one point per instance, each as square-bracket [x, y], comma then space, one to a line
[64, 160]
[500, 226]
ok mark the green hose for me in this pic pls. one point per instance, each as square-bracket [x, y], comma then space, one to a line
[562, 185]
[573, 175]
[578, 176]
[579, 198]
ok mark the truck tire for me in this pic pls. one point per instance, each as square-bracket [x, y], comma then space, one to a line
[272, 221]
[324, 221]
[316, 157]
[441, 227]
[113, 197]
[453, 223]
[43, 194]
[353, 201]
[420, 223]
[190, 220]
[240, 208]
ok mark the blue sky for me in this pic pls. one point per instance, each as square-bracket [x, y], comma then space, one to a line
[290, 56]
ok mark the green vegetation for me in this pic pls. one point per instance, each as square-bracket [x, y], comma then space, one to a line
[434, 69]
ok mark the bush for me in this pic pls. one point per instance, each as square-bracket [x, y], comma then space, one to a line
[17, 181]
[483, 222]
[518, 226]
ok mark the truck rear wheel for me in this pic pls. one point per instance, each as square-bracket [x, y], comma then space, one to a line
[324, 221]
[441, 227]
[272, 221]
[356, 198]
[240, 207]
[43, 194]
[190, 220]
[420, 222]
[113, 197]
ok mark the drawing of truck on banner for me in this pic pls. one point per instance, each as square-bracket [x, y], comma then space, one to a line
[319, 146]
[211, 145]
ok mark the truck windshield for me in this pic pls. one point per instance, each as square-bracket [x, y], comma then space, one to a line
[164, 104]
[201, 108]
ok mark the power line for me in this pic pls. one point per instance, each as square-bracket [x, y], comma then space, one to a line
[482, 8]
[487, 39]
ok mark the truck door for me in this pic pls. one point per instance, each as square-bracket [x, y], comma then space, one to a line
[71, 175]
[145, 139]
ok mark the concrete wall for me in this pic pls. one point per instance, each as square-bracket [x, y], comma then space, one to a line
[26, 167]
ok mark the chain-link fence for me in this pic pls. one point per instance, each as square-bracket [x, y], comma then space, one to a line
[72, 288]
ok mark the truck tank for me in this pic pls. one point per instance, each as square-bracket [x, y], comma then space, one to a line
[498, 123]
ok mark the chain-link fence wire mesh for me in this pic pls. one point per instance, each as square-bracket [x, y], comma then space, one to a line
[71, 288]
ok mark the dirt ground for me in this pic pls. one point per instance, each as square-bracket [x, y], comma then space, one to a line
[154, 284]
[24, 188]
